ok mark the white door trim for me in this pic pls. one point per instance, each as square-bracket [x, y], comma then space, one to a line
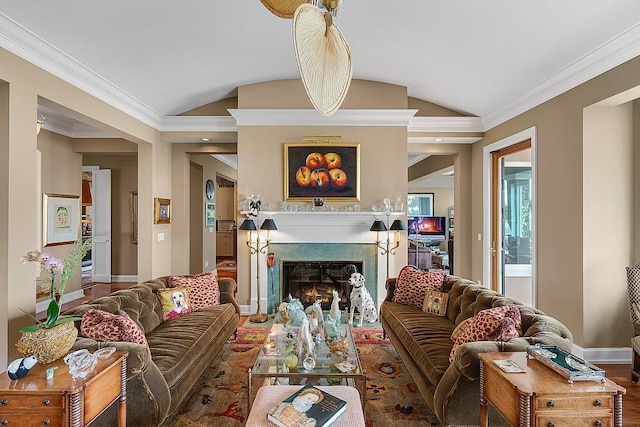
[529, 133]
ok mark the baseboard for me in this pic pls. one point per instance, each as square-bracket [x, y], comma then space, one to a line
[245, 310]
[124, 278]
[604, 355]
[71, 296]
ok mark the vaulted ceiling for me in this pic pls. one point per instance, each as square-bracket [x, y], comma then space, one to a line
[492, 59]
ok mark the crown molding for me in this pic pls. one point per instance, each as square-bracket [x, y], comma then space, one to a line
[308, 117]
[443, 139]
[198, 124]
[616, 51]
[446, 124]
[17, 39]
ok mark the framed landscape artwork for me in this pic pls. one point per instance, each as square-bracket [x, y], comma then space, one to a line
[326, 170]
[61, 219]
[209, 214]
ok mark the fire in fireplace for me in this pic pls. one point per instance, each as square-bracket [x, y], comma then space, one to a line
[311, 281]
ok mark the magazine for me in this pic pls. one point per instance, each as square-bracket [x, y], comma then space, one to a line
[307, 407]
[508, 365]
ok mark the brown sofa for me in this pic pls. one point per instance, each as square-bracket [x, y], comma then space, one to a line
[423, 342]
[160, 378]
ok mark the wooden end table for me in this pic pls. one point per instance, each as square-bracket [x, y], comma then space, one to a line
[65, 401]
[543, 398]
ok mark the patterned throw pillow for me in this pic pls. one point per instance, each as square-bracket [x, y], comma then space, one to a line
[435, 302]
[101, 325]
[493, 324]
[203, 289]
[175, 302]
[412, 285]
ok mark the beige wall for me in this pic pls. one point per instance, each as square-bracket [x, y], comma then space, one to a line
[607, 206]
[211, 168]
[26, 86]
[124, 180]
[260, 151]
[61, 173]
[560, 268]
[182, 154]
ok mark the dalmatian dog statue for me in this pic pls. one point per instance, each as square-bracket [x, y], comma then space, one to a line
[361, 299]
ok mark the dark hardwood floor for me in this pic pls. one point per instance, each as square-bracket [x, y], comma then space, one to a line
[620, 374]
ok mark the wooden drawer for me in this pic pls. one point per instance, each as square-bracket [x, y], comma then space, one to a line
[31, 402]
[54, 419]
[588, 402]
[577, 420]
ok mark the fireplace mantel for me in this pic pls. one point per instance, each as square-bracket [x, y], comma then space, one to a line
[324, 227]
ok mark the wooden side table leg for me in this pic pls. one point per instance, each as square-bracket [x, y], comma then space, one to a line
[525, 411]
[76, 409]
[617, 410]
[122, 400]
[484, 414]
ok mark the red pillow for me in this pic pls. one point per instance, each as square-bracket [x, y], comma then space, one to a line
[412, 284]
[101, 325]
[493, 324]
[203, 289]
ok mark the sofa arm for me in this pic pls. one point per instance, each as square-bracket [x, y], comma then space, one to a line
[390, 285]
[228, 288]
[138, 359]
[466, 356]
[148, 395]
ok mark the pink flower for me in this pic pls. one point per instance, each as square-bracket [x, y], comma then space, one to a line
[53, 264]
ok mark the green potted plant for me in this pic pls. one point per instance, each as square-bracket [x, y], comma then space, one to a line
[50, 339]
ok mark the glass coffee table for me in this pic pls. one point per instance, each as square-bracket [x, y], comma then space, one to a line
[270, 367]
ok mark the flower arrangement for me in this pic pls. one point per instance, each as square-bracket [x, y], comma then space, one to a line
[62, 270]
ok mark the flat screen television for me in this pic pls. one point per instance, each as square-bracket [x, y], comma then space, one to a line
[427, 225]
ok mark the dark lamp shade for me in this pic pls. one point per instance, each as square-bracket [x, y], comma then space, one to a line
[398, 225]
[378, 225]
[268, 224]
[248, 225]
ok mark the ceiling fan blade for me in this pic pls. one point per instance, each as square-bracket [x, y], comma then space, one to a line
[283, 8]
[323, 57]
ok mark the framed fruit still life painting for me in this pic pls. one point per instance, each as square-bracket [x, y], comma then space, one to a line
[326, 170]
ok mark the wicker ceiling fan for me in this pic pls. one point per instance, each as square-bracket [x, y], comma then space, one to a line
[322, 53]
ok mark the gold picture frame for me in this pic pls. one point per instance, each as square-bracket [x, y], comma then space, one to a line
[309, 174]
[161, 211]
[60, 219]
[133, 216]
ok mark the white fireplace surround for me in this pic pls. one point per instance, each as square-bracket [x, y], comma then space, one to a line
[319, 227]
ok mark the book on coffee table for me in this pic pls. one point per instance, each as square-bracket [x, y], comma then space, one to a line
[308, 406]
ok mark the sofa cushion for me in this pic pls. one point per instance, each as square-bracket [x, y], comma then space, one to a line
[101, 325]
[435, 302]
[203, 289]
[175, 302]
[177, 345]
[494, 324]
[412, 284]
[426, 337]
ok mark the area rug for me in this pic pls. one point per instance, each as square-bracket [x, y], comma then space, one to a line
[220, 399]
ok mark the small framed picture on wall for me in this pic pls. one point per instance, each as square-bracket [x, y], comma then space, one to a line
[209, 214]
[161, 211]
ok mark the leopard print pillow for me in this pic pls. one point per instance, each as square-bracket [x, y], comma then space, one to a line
[101, 325]
[493, 324]
[203, 289]
[412, 284]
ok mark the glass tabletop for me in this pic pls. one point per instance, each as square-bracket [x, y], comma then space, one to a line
[272, 359]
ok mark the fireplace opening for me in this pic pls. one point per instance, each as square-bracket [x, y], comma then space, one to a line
[310, 281]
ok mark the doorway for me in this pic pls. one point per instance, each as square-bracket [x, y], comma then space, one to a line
[510, 256]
